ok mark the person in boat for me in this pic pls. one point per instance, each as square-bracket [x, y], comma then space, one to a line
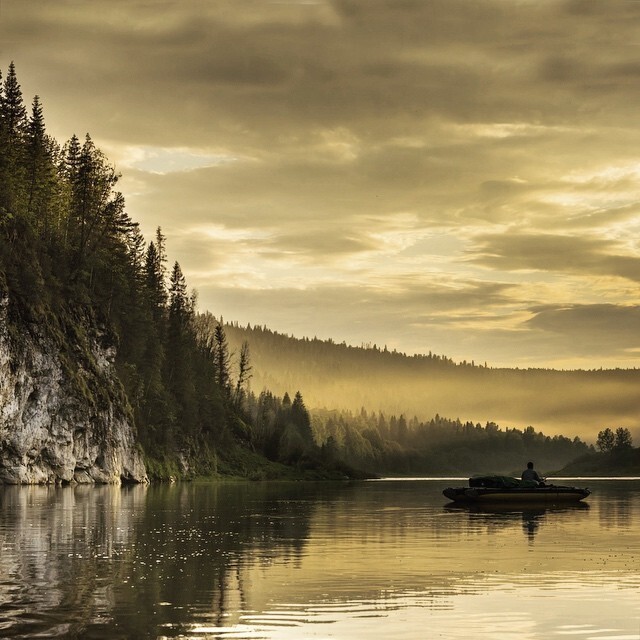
[531, 475]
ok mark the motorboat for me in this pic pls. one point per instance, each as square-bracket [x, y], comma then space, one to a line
[507, 490]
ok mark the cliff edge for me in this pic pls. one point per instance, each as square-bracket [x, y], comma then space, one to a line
[62, 422]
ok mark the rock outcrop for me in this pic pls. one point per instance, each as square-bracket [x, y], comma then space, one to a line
[62, 418]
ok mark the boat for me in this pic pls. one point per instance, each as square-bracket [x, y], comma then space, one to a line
[507, 490]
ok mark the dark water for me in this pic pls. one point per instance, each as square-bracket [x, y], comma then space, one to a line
[383, 559]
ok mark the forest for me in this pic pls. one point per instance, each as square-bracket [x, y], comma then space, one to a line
[385, 442]
[74, 263]
[72, 260]
[346, 377]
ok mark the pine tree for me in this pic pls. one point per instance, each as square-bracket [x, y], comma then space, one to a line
[221, 359]
[301, 419]
[97, 216]
[154, 282]
[71, 158]
[13, 117]
[155, 407]
[179, 305]
[181, 354]
[13, 113]
[136, 253]
[244, 373]
[161, 243]
[4, 159]
[42, 173]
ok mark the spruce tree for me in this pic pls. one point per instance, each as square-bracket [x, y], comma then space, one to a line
[221, 359]
[178, 300]
[13, 113]
[244, 373]
[13, 116]
[154, 282]
[301, 419]
[71, 158]
[42, 209]
[161, 250]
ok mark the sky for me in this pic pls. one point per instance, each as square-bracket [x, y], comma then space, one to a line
[459, 177]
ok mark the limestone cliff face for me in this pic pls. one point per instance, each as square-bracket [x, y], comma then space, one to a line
[60, 423]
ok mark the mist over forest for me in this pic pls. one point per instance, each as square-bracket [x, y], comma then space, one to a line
[329, 375]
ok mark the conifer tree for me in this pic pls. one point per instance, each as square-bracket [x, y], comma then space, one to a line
[12, 127]
[42, 174]
[180, 355]
[221, 359]
[244, 373]
[71, 158]
[300, 418]
[161, 250]
[153, 364]
[97, 217]
[154, 282]
[13, 113]
[179, 305]
[4, 160]
[136, 253]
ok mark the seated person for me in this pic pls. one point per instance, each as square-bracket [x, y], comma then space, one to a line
[531, 475]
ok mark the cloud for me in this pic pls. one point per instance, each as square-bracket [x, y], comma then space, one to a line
[600, 329]
[556, 253]
[163, 160]
[428, 173]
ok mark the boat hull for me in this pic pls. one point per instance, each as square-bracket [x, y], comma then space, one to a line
[537, 495]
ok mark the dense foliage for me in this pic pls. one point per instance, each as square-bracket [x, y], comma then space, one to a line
[616, 456]
[377, 441]
[438, 446]
[609, 442]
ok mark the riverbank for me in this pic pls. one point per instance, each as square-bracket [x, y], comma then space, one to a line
[611, 464]
[243, 464]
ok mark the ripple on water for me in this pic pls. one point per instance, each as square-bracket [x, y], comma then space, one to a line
[355, 563]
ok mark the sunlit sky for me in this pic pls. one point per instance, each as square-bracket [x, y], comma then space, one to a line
[454, 176]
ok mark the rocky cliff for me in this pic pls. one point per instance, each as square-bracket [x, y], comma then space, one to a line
[63, 414]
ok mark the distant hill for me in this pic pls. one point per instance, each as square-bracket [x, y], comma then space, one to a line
[339, 376]
[612, 464]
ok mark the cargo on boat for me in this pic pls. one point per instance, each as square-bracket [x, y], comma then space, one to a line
[507, 490]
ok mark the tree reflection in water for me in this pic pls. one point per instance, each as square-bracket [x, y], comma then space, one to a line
[98, 562]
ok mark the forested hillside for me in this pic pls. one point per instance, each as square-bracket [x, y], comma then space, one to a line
[438, 446]
[371, 438]
[79, 282]
[338, 376]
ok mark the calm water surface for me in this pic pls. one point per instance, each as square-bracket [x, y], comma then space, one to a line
[384, 559]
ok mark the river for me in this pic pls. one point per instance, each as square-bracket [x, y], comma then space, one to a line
[382, 559]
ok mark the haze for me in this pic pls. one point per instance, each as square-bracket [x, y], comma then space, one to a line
[452, 176]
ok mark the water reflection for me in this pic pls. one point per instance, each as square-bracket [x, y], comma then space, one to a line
[276, 560]
[61, 554]
[94, 561]
[531, 517]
